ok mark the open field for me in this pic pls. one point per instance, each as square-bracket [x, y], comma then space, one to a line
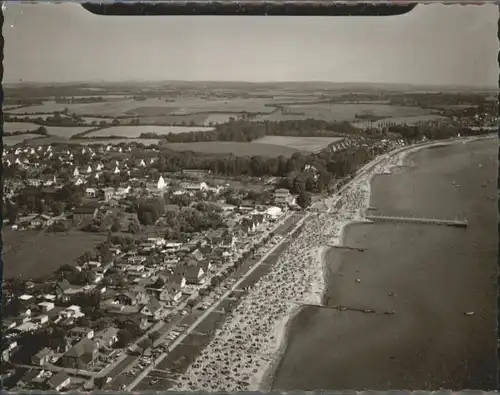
[13, 140]
[237, 149]
[160, 107]
[311, 144]
[65, 131]
[135, 131]
[343, 111]
[33, 254]
[11, 127]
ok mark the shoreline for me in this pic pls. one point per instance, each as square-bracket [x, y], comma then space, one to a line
[298, 276]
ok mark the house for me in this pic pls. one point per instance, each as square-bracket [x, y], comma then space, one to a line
[190, 186]
[84, 213]
[194, 274]
[59, 381]
[48, 179]
[81, 356]
[283, 197]
[161, 184]
[178, 278]
[273, 213]
[76, 172]
[106, 338]
[140, 163]
[106, 194]
[41, 221]
[79, 181]
[136, 296]
[153, 310]
[61, 289]
[29, 377]
[90, 192]
[228, 242]
[81, 333]
[42, 357]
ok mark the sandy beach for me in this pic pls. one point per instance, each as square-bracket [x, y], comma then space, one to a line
[245, 350]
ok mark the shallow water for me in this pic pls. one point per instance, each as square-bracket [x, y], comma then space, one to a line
[436, 273]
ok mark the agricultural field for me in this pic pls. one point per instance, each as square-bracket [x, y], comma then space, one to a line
[220, 118]
[11, 127]
[13, 140]
[309, 144]
[136, 131]
[340, 112]
[237, 149]
[65, 131]
[31, 254]
[145, 142]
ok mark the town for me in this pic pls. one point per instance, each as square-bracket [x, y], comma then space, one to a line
[120, 249]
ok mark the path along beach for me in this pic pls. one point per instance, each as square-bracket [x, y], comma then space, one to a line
[245, 350]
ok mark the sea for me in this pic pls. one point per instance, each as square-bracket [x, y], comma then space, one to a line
[439, 283]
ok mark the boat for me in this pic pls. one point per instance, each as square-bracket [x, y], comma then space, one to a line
[389, 312]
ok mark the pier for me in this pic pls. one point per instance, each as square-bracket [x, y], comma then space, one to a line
[359, 249]
[339, 307]
[430, 221]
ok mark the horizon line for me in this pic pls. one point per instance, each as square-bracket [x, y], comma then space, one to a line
[103, 82]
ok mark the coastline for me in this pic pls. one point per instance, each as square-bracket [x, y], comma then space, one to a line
[298, 276]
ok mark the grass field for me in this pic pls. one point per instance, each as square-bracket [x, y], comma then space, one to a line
[237, 149]
[135, 131]
[11, 127]
[343, 112]
[160, 107]
[30, 254]
[310, 144]
[66, 131]
[13, 140]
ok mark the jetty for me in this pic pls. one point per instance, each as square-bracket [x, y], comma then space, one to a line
[430, 221]
[360, 249]
[339, 307]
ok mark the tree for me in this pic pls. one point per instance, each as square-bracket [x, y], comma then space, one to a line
[304, 199]
[133, 227]
[124, 338]
[57, 208]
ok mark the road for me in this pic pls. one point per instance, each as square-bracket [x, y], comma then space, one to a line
[126, 362]
[210, 310]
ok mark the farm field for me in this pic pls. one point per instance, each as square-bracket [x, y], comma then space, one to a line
[31, 254]
[109, 108]
[13, 140]
[136, 131]
[220, 118]
[311, 144]
[116, 141]
[66, 131]
[343, 112]
[11, 127]
[235, 148]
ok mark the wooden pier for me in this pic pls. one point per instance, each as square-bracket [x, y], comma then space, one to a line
[430, 221]
[359, 249]
[339, 307]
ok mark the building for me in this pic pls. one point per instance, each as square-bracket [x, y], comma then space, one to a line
[106, 194]
[161, 184]
[84, 213]
[59, 381]
[283, 197]
[81, 356]
[42, 356]
[106, 338]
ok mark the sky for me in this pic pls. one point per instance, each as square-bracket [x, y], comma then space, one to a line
[431, 45]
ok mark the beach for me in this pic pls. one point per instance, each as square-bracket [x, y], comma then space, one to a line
[245, 351]
[430, 276]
